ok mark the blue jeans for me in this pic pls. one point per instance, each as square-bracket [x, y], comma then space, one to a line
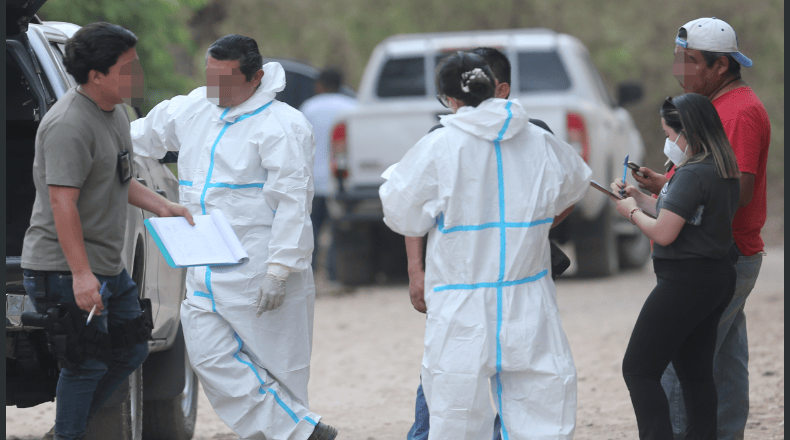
[82, 390]
[419, 431]
[731, 358]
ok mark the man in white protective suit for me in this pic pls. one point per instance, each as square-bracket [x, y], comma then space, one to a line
[248, 332]
[486, 189]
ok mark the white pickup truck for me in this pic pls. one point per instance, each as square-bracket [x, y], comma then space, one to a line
[556, 81]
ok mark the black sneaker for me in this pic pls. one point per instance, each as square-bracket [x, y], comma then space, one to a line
[323, 431]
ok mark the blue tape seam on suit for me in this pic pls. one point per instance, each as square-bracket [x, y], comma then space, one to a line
[208, 270]
[279, 401]
[213, 150]
[500, 283]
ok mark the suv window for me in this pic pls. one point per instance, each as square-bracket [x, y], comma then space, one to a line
[298, 88]
[402, 77]
[541, 71]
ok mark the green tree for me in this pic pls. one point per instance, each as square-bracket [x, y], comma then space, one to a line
[162, 30]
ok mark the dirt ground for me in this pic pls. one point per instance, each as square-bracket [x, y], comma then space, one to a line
[368, 346]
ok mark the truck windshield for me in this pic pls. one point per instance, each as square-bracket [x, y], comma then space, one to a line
[402, 77]
[541, 72]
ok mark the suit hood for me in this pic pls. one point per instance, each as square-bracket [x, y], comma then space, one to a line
[493, 119]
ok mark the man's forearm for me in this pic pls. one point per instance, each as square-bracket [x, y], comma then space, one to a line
[69, 227]
[414, 253]
[144, 198]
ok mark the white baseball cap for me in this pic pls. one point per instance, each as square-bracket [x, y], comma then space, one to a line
[712, 35]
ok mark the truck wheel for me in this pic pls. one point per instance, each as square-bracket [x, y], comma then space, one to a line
[634, 250]
[173, 419]
[596, 246]
[123, 421]
[353, 246]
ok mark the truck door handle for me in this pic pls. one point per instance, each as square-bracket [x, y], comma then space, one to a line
[142, 181]
[162, 193]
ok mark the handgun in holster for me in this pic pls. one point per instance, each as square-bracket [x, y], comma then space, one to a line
[128, 333]
[71, 340]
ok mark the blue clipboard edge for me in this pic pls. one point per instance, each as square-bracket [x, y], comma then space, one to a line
[159, 244]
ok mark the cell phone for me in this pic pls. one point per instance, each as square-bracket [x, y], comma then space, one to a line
[635, 167]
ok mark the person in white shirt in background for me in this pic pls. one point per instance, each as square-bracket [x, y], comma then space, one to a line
[321, 110]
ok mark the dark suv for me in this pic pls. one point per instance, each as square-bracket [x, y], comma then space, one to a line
[300, 79]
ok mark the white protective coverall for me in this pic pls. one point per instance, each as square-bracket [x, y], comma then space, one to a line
[254, 162]
[486, 189]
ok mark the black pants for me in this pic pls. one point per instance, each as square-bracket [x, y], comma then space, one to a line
[319, 215]
[678, 323]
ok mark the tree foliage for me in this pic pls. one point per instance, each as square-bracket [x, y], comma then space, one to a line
[626, 40]
[162, 32]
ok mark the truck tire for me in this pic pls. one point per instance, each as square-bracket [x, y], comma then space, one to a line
[596, 246]
[123, 421]
[353, 246]
[634, 250]
[173, 419]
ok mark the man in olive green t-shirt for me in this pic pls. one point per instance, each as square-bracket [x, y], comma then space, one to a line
[82, 173]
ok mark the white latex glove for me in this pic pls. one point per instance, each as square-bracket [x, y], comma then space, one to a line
[271, 294]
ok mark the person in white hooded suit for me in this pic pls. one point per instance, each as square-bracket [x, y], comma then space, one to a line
[486, 189]
[249, 331]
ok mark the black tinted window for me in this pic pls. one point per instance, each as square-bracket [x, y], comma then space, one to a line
[402, 77]
[297, 89]
[541, 71]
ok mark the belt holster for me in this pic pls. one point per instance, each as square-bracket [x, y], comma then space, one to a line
[71, 340]
[128, 333]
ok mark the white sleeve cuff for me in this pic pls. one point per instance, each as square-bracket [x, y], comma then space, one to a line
[278, 270]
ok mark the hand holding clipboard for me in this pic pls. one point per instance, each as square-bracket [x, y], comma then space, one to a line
[613, 196]
[604, 190]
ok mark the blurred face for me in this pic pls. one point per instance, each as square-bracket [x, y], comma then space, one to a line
[124, 82]
[694, 75]
[677, 138]
[226, 85]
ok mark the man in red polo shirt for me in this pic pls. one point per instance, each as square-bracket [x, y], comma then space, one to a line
[707, 61]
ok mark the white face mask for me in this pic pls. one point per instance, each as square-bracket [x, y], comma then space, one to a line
[673, 151]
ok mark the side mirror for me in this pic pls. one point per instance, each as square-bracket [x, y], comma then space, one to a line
[629, 92]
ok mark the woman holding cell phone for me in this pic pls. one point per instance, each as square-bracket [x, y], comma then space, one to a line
[695, 275]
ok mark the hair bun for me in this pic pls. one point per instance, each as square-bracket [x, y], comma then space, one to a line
[470, 77]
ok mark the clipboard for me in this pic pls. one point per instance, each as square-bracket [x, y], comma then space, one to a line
[606, 191]
[600, 188]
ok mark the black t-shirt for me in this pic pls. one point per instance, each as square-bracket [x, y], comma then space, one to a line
[708, 203]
